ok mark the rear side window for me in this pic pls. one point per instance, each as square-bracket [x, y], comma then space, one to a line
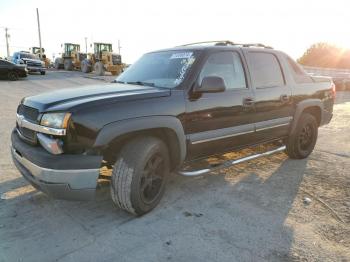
[298, 73]
[227, 65]
[265, 70]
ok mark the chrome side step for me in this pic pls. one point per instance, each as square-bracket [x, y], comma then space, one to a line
[230, 163]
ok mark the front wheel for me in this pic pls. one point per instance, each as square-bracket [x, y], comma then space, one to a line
[99, 69]
[302, 142]
[140, 174]
[13, 76]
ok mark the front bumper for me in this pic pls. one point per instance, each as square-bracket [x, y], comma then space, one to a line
[36, 69]
[72, 177]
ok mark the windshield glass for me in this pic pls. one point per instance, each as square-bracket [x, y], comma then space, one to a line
[161, 69]
[28, 56]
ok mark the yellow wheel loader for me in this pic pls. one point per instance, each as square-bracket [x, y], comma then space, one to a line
[36, 51]
[103, 59]
[71, 57]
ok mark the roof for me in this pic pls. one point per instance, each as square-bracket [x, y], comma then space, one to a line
[224, 44]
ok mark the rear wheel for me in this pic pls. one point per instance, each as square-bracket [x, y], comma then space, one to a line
[302, 142]
[68, 65]
[99, 69]
[42, 72]
[140, 175]
[57, 63]
[13, 76]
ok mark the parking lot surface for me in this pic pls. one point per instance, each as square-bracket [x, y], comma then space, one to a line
[269, 209]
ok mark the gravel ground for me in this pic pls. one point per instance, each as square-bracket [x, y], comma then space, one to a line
[269, 209]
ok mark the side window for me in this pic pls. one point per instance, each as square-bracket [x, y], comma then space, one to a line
[265, 70]
[298, 73]
[227, 65]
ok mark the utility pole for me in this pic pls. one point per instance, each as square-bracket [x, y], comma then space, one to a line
[37, 16]
[86, 45]
[119, 47]
[7, 43]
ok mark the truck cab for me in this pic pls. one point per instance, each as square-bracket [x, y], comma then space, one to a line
[170, 108]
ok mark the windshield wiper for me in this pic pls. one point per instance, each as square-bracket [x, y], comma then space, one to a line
[140, 83]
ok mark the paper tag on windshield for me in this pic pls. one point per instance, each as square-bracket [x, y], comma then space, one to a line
[181, 55]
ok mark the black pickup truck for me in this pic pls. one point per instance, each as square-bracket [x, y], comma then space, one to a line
[169, 108]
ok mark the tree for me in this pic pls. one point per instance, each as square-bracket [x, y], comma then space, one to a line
[326, 55]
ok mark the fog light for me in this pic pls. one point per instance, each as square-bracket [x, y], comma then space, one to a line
[54, 146]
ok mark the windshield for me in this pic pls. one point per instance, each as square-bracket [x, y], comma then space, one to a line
[28, 56]
[161, 69]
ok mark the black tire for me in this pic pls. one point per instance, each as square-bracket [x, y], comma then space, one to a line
[68, 65]
[86, 66]
[302, 142]
[57, 63]
[42, 73]
[140, 174]
[99, 69]
[12, 75]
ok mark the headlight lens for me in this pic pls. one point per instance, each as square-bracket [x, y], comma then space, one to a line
[55, 120]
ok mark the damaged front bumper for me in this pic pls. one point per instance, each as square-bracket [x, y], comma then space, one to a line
[72, 177]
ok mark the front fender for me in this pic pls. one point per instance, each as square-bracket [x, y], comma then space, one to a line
[113, 130]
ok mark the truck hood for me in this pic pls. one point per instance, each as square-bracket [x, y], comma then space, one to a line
[72, 98]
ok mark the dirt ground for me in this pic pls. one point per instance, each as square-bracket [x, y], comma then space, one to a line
[269, 209]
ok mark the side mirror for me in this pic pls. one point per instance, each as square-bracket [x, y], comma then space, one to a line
[211, 84]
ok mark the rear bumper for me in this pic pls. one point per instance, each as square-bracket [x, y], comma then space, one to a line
[72, 177]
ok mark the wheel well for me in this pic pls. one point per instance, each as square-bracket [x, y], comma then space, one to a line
[167, 135]
[315, 111]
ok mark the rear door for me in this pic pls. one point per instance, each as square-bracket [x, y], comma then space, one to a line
[216, 122]
[273, 103]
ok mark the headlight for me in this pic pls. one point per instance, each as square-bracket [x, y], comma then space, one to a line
[55, 120]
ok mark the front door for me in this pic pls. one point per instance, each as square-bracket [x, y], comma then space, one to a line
[216, 122]
[4, 66]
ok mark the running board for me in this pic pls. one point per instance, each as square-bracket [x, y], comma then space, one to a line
[230, 163]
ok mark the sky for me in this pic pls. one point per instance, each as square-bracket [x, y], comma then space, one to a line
[143, 26]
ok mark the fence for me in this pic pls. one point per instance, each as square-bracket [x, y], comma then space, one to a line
[339, 74]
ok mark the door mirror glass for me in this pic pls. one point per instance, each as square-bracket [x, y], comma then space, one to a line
[212, 84]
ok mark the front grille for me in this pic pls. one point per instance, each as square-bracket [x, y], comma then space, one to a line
[27, 133]
[35, 64]
[31, 114]
[116, 59]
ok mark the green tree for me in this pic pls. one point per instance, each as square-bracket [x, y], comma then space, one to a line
[326, 55]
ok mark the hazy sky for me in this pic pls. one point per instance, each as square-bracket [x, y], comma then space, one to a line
[143, 26]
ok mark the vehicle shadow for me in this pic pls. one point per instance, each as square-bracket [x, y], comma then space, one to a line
[238, 214]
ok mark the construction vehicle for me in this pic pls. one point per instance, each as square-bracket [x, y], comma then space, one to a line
[42, 56]
[71, 57]
[103, 59]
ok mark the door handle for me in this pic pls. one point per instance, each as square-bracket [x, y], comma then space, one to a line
[284, 98]
[248, 102]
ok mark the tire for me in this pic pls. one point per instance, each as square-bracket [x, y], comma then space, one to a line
[99, 69]
[86, 66]
[68, 65]
[13, 76]
[42, 73]
[302, 142]
[57, 63]
[140, 163]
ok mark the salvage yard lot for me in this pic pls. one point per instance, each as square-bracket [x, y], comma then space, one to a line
[255, 211]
